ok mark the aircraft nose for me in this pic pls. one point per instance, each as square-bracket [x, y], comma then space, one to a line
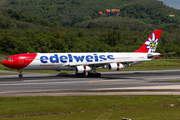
[5, 63]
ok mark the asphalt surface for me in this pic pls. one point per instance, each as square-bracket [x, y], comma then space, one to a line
[110, 83]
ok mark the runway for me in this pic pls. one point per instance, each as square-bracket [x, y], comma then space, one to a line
[110, 83]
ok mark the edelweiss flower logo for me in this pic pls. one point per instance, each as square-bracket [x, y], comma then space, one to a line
[152, 43]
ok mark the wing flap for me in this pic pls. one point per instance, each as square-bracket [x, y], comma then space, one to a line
[103, 62]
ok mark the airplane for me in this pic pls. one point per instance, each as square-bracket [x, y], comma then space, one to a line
[84, 63]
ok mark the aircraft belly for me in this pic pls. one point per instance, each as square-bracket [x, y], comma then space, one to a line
[66, 68]
[36, 65]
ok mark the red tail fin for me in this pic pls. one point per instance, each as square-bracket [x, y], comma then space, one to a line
[151, 43]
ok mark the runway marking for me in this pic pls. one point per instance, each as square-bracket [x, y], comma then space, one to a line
[75, 82]
[51, 80]
[42, 83]
[115, 81]
[166, 87]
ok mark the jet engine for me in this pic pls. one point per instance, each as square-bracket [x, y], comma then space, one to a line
[116, 66]
[83, 69]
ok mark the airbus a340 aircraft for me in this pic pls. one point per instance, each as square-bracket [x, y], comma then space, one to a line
[84, 63]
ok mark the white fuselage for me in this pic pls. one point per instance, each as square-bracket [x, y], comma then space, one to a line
[68, 61]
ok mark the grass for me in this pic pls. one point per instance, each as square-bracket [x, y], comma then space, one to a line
[91, 107]
[158, 64]
[8, 74]
[139, 114]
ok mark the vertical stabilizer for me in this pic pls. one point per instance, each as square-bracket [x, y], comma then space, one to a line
[151, 43]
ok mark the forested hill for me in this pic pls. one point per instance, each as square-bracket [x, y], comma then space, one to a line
[41, 26]
[10, 19]
[151, 11]
[69, 12]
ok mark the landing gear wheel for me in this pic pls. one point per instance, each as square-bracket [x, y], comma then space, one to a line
[98, 74]
[80, 74]
[77, 74]
[20, 75]
[90, 74]
[94, 74]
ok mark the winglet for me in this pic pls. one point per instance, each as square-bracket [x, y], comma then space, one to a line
[151, 43]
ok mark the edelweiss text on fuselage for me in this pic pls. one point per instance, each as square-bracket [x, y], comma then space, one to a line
[72, 58]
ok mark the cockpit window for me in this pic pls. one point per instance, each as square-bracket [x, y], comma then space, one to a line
[10, 59]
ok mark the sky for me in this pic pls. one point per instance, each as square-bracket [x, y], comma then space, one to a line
[172, 3]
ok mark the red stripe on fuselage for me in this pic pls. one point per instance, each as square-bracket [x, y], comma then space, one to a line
[19, 61]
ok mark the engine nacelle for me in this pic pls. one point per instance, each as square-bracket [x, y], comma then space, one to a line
[116, 66]
[83, 69]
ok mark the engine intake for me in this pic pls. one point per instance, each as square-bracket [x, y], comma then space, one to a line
[83, 69]
[116, 66]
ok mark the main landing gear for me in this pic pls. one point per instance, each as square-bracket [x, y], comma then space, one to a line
[80, 74]
[90, 74]
[91, 70]
[94, 73]
[20, 74]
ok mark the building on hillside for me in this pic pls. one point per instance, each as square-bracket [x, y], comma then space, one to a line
[108, 12]
[112, 12]
[118, 12]
[100, 13]
[104, 14]
[171, 15]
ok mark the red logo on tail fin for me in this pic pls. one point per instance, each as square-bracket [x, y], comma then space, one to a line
[151, 43]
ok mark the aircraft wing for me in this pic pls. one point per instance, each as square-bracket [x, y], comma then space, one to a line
[120, 60]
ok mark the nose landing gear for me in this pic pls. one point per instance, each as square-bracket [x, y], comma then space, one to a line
[20, 74]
